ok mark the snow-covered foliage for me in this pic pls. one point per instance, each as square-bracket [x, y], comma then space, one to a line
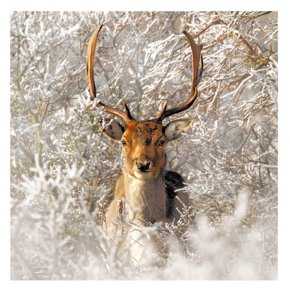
[63, 170]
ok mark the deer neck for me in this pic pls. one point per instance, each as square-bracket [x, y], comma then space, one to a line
[145, 200]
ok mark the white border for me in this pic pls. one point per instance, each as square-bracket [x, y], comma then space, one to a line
[157, 5]
[141, 5]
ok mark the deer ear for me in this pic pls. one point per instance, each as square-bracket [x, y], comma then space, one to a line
[174, 129]
[114, 130]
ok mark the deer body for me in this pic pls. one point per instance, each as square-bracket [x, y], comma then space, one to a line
[145, 193]
[134, 205]
[141, 204]
[148, 201]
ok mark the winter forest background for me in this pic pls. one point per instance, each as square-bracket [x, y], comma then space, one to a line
[63, 169]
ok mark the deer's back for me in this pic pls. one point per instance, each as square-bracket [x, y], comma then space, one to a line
[173, 183]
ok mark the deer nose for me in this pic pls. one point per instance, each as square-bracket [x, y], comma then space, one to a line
[143, 166]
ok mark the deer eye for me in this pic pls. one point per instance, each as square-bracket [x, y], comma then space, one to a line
[161, 143]
[123, 142]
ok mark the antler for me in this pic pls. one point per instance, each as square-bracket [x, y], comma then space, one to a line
[197, 69]
[125, 115]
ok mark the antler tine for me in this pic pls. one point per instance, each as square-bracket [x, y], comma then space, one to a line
[197, 61]
[197, 69]
[125, 115]
[90, 62]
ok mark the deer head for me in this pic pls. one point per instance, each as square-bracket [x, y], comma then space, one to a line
[143, 142]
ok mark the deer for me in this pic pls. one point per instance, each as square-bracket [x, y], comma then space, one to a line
[146, 193]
